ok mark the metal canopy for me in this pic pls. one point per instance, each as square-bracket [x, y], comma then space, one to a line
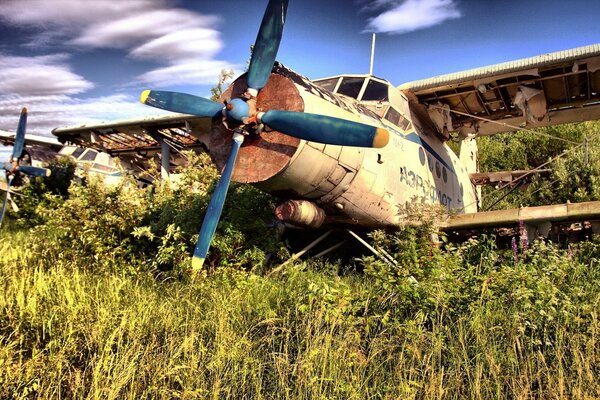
[569, 81]
[140, 139]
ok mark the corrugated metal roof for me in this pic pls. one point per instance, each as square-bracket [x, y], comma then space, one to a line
[504, 68]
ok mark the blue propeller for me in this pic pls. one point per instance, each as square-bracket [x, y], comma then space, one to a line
[267, 44]
[310, 127]
[12, 167]
[181, 102]
[325, 129]
[215, 207]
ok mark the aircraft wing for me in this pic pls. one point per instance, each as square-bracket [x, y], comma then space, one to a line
[545, 90]
[137, 140]
[8, 138]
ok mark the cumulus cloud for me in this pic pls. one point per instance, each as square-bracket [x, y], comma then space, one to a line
[44, 13]
[40, 75]
[47, 86]
[411, 15]
[49, 112]
[145, 29]
[183, 45]
[196, 72]
[198, 43]
[130, 29]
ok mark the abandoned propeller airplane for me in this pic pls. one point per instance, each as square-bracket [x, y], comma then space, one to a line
[353, 149]
[17, 164]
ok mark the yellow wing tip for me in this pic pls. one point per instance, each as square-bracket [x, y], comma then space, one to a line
[24, 110]
[48, 172]
[197, 263]
[144, 96]
[382, 137]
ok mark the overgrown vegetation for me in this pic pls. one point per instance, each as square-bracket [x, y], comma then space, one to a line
[572, 178]
[97, 301]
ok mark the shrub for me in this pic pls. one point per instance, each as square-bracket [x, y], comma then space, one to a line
[155, 228]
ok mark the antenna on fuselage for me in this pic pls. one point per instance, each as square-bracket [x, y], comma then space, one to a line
[372, 55]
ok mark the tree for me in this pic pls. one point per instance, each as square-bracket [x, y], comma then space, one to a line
[224, 76]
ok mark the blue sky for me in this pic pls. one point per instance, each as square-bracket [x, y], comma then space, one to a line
[76, 61]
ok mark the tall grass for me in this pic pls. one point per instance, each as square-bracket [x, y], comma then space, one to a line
[96, 302]
[524, 330]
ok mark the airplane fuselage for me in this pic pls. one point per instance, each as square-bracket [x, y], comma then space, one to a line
[352, 185]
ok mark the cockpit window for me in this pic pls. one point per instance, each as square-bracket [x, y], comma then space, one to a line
[328, 84]
[375, 91]
[77, 152]
[351, 86]
[90, 155]
[393, 116]
[397, 119]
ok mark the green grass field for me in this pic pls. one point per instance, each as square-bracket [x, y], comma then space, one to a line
[474, 326]
[97, 301]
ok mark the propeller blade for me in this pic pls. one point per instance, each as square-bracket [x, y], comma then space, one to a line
[8, 181]
[20, 135]
[181, 102]
[13, 205]
[215, 207]
[325, 129]
[267, 44]
[33, 171]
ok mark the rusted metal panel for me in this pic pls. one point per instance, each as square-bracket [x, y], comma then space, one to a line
[263, 156]
[505, 68]
[568, 81]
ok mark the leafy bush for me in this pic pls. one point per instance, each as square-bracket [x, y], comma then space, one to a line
[104, 227]
[571, 178]
[44, 193]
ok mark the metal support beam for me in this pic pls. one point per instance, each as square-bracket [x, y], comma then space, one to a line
[330, 249]
[165, 159]
[382, 255]
[301, 252]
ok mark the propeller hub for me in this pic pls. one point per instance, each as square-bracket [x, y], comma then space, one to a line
[238, 110]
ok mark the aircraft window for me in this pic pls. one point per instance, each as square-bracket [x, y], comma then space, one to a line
[404, 123]
[422, 155]
[89, 155]
[77, 152]
[430, 162]
[438, 170]
[328, 84]
[102, 167]
[445, 175]
[393, 116]
[375, 91]
[351, 86]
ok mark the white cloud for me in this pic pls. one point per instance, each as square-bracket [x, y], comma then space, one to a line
[197, 72]
[49, 112]
[127, 30]
[40, 75]
[186, 43]
[62, 12]
[411, 15]
[147, 29]
[198, 43]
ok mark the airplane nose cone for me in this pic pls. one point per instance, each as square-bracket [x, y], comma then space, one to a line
[237, 109]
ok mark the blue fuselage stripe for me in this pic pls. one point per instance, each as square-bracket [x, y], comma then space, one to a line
[413, 137]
